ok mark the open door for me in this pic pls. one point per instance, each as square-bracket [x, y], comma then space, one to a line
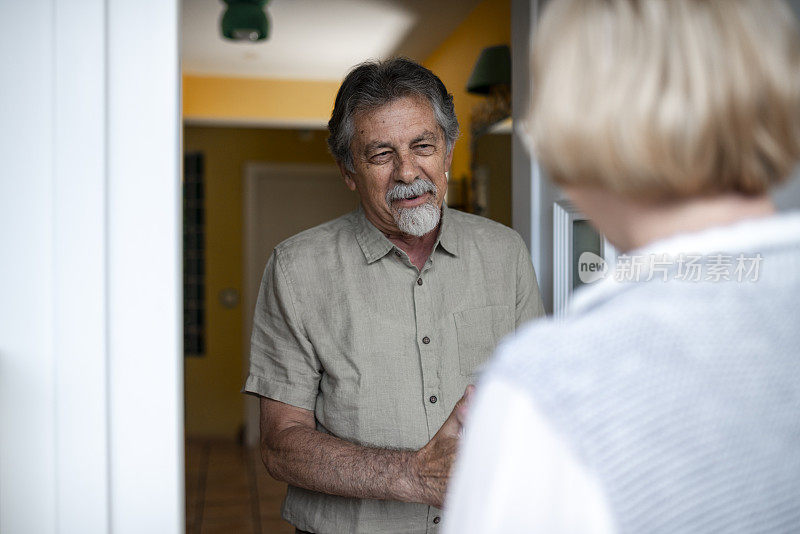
[280, 201]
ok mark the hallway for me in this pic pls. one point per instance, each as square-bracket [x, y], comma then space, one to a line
[229, 491]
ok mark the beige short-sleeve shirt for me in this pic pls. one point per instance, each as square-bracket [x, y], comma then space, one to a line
[347, 327]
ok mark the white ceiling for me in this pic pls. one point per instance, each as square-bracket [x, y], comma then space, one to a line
[317, 39]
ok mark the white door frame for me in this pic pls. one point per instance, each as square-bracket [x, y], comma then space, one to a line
[91, 394]
[533, 194]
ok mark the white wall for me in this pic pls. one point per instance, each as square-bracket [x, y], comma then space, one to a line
[90, 361]
[27, 393]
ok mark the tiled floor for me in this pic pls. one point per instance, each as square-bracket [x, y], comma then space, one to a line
[229, 491]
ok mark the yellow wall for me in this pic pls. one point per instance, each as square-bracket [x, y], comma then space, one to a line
[312, 101]
[214, 406]
[258, 99]
[488, 24]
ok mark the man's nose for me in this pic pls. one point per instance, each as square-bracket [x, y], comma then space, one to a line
[406, 168]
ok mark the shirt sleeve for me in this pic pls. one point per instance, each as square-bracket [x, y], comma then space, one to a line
[283, 364]
[514, 474]
[529, 299]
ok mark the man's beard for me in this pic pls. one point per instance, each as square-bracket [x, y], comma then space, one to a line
[419, 220]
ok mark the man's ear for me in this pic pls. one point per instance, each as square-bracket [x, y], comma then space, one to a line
[448, 160]
[348, 179]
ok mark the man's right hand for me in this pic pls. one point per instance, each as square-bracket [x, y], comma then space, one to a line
[431, 465]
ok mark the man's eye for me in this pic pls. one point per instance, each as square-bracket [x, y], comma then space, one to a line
[425, 148]
[381, 156]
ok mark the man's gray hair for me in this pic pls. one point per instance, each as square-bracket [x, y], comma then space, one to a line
[373, 84]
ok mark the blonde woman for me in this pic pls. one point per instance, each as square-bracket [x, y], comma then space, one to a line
[668, 400]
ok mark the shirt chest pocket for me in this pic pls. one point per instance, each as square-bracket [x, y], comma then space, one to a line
[479, 330]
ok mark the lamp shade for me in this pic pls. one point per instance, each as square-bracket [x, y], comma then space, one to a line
[245, 20]
[492, 68]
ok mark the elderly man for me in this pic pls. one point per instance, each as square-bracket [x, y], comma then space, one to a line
[368, 328]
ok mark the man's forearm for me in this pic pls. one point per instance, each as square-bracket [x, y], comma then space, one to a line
[304, 457]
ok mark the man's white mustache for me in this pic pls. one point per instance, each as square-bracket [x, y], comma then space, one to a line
[416, 188]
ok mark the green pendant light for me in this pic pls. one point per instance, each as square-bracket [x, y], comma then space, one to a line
[492, 69]
[245, 20]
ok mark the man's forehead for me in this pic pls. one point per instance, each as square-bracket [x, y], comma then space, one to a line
[426, 135]
[401, 105]
[373, 128]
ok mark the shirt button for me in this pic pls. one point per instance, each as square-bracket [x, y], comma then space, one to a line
[419, 281]
[436, 520]
[433, 399]
[426, 340]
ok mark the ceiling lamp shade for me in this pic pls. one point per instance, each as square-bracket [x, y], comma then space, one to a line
[245, 20]
[492, 69]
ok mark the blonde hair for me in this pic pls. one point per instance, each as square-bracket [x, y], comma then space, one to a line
[666, 99]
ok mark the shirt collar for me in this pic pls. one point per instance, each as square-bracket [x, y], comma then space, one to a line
[448, 232]
[375, 245]
[751, 235]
